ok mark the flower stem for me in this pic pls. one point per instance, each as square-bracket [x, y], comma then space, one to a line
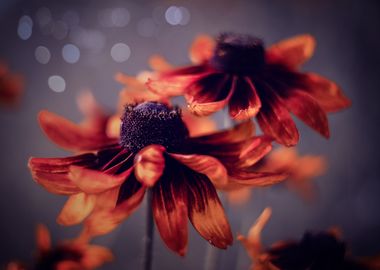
[149, 234]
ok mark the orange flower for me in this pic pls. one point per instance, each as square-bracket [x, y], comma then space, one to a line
[68, 255]
[254, 81]
[11, 86]
[155, 152]
[300, 169]
[315, 251]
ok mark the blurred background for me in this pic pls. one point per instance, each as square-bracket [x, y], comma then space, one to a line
[64, 47]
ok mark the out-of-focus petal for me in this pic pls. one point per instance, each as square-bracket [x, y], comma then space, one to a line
[170, 208]
[201, 49]
[292, 52]
[198, 126]
[149, 164]
[43, 238]
[239, 196]
[92, 181]
[239, 132]
[104, 221]
[207, 165]
[328, 94]
[15, 266]
[206, 212]
[71, 136]
[308, 110]
[159, 63]
[95, 256]
[76, 209]
[275, 120]
[245, 102]
[68, 265]
[203, 105]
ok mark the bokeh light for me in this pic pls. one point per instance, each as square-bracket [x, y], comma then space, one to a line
[120, 52]
[42, 54]
[57, 83]
[25, 27]
[70, 53]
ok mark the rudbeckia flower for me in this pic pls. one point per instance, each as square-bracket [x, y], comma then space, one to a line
[301, 170]
[11, 86]
[155, 151]
[315, 251]
[254, 81]
[68, 255]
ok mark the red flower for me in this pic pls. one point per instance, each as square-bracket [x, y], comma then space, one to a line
[155, 152]
[254, 81]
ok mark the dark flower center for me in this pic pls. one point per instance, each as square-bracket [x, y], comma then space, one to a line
[152, 123]
[238, 54]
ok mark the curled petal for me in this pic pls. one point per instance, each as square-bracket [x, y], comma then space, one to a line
[328, 94]
[170, 209]
[76, 209]
[275, 120]
[201, 49]
[206, 212]
[245, 102]
[43, 238]
[104, 221]
[207, 165]
[200, 108]
[292, 52]
[149, 164]
[71, 136]
[308, 110]
[60, 165]
[256, 150]
[92, 181]
[57, 183]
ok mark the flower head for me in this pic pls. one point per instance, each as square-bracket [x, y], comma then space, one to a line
[254, 81]
[107, 185]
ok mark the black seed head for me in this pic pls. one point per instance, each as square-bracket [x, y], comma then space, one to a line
[238, 54]
[152, 123]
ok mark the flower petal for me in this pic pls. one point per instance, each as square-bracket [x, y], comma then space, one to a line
[256, 150]
[76, 209]
[275, 120]
[176, 82]
[149, 164]
[256, 179]
[292, 52]
[60, 165]
[95, 256]
[224, 89]
[43, 238]
[57, 183]
[206, 212]
[201, 49]
[207, 165]
[245, 102]
[328, 94]
[159, 63]
[170, 208]
[104, 221]
[71, 136]
[308, 110]
[92, 181]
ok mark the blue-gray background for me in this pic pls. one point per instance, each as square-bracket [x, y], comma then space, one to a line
[347, 51]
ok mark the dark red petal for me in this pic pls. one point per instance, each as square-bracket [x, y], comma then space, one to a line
[210, 94]
[170, 208]
[328, 94]
[206, 212]
[275, 120]
[244, 103]
[71, 136]
[308, 110]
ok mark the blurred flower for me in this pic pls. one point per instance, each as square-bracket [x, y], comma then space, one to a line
[155, 152]
[11, 86]
[315, 251]
[301, 171]
[68, 255]
[254, 81]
